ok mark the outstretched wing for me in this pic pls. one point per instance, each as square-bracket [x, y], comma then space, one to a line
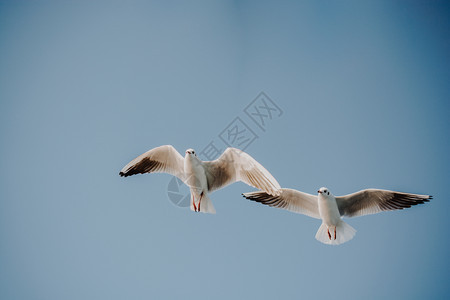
[372, 201]
[289, 199]
[235, 165]
[161, 159]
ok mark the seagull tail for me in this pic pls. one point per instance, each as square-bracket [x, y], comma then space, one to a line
[344, 233]
[207, 205]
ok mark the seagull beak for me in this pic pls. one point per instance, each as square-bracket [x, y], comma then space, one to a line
[319, 192]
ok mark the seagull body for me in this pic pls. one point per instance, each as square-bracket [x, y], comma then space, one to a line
[331, 209]
[329, 212]
[204, 177]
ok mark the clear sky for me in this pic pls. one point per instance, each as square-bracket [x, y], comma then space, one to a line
[363, 92]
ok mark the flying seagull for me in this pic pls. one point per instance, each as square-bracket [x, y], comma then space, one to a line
[204, 177]
[331, 209]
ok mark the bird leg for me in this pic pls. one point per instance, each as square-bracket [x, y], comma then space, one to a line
[201, 196]
[329, 235]
[334, 232]
[193, 202]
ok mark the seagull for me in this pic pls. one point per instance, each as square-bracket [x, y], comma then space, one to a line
[204, 177]
[331, 209]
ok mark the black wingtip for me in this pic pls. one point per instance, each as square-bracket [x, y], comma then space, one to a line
[246, 197]
[122, 174]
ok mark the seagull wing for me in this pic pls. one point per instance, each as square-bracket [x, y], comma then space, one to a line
[289, 199]
[235, 165]
[372, 201]
[163, 159]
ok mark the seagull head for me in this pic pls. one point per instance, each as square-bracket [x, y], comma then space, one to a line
[324, 191]
[190, 152]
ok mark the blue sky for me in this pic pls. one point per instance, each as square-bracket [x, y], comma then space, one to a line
[87, 86]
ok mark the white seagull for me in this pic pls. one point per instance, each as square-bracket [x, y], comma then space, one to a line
[204, 177]
[331, 209]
